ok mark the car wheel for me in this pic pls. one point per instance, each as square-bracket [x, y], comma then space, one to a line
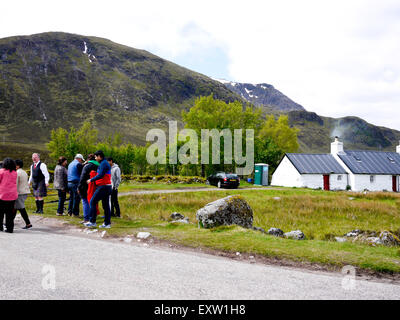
[219, 184]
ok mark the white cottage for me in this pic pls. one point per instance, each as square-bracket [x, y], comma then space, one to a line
[369, 170]
[310, 171]
[340, 170]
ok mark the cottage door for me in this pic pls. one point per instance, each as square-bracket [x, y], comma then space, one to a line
[326, 182]
[394, 179]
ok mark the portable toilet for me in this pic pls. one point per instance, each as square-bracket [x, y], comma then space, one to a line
[261, 174]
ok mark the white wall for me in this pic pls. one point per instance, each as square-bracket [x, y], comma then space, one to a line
[360, 182]
[286, 175]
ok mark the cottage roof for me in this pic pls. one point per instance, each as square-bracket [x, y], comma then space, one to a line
[372, 162]
[315, 163]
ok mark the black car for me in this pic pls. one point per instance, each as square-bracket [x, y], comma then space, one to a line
[222, 179]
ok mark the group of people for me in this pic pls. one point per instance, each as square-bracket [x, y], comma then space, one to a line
[91, 181]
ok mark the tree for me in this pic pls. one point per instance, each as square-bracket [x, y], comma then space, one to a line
[281, 133]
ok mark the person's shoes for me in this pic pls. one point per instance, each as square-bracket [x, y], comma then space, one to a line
[70, 214]
[105, 226]
[59, 214]
[27, 227]
[90, 224]
[76, 216]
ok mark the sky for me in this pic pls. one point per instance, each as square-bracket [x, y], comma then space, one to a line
[336, 58]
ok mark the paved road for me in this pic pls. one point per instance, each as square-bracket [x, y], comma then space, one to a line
[95, 268]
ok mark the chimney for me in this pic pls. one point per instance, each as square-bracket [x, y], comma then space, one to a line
[398, 148]
[337, 146]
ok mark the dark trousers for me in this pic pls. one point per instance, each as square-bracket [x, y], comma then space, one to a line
[74, 198]
[7, 209]
[102, 193]
[62, 195]
[24, 215]
[115, 204]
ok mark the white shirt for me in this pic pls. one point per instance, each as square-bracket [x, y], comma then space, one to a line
[43, 168]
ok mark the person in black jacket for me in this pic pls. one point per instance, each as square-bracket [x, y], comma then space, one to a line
[90, 165]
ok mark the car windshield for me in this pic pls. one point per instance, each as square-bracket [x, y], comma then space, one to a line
[231, 176]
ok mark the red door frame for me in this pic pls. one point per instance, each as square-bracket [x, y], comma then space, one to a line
[394, 183]
[326, 183]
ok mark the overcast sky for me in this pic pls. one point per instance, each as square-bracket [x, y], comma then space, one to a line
[336, 58]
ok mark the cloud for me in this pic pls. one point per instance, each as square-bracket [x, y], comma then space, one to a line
[335, 58]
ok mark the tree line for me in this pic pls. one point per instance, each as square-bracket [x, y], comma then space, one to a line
[272, 139]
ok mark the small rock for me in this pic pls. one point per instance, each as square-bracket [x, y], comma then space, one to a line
[92, 231]
[351, 198]
[295, 235]
[185, 220]
[177, 216]
[238, 253]
[145, 245]
[251, 257]
[103, 234]
[353, 233]
[259, 229]
[340, 239]
[127, 240]
[275, 232]
[277, 198]
[374, 240]
[389, 239]
[143, 235]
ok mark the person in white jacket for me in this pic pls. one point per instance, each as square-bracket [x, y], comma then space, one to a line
[115, 182]
[39, 179]
[23, 191]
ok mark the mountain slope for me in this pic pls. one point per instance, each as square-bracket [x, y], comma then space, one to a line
[263, 94]
[57, 79]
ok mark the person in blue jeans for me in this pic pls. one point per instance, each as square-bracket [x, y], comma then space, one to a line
[103, 191]
[74, 175]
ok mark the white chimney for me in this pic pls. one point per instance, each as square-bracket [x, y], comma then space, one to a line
[398, 149]
[337, 146]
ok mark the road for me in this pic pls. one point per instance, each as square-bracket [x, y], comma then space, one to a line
[42, 263]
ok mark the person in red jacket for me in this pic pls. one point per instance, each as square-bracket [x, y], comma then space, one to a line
[103, 191]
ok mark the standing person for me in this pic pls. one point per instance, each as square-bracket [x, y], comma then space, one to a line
[115, 182]
[39, 179]
[103, 191]
[23, 191]
[61, 183]
[8, 193]
[90, 166]
[74, 175]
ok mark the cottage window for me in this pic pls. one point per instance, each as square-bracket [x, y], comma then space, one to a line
[339, 177]
[372, 179]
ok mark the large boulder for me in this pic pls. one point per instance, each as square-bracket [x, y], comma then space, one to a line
[226, 211]
[389, 239]
[275, 232]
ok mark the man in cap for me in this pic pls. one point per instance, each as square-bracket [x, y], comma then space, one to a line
[74, 175]
[39, 178]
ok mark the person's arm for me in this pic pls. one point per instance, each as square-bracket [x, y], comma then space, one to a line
[118, 180]
[102, 172]
[30, 175]
[43, 167]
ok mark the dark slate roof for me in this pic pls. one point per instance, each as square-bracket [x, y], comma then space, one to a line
[315, 163]
[372, 162]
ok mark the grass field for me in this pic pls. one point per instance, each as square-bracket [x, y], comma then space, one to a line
[318, 214]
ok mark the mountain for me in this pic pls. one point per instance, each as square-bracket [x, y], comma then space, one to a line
[55, 79]
[263, 94]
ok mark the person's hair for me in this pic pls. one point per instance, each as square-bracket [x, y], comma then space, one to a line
[90, 157]
[9, 164]
[61, 160]
[38, 154]
[1, 164]
[99, 153]
[110, 159]
[19, 163]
